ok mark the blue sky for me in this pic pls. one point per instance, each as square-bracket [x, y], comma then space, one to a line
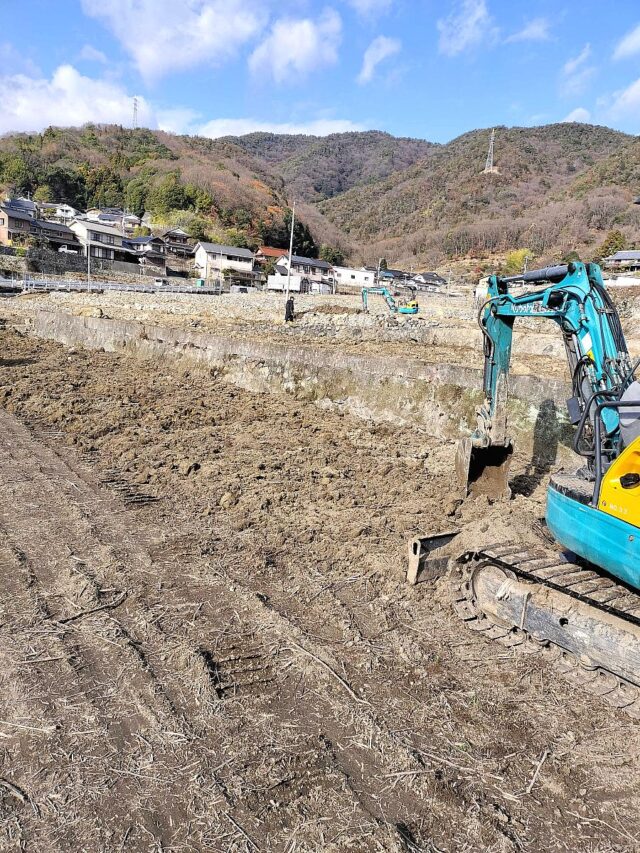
[426, 68]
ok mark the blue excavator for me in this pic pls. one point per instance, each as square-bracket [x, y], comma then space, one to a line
[401, 307]
[576, 595]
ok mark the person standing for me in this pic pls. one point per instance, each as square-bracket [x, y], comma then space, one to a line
[288, 310]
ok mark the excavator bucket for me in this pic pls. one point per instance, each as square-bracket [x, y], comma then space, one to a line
[484, 470]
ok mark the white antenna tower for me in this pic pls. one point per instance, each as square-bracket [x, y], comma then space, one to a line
[135, 113]
[489, 168]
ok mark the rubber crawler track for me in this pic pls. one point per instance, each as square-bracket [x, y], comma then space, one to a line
[550, 569]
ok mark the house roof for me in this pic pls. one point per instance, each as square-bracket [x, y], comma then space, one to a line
[142, 241]
[431, 277]
[624, 256]
[218, 249]
[310, 262]
[171, 231]
[281, 270]
[270, 252]
[15, 213]
[93, 225]
[55, 226]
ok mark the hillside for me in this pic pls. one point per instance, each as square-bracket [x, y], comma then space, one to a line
[548, 196]
[316, 168]
[214, 188]
[560, 188]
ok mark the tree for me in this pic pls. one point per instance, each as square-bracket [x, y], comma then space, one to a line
[570, 257]
[136, 195]
[303, 242]
[141, 231]
[43, 193]
[331, 254]
[383, 264]
[615, 241]
[166, 195]
[104, 187]
[197, 228]
[517, 260]
[197, 198]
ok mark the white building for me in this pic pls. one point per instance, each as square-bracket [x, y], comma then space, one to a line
[213, 259]
[311, 268]
[57, 212]
[355, 277]
[103, 241]
[297, 283]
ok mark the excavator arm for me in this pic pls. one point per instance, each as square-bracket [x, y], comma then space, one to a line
[575, 298]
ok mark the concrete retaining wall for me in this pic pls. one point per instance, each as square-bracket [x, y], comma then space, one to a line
[438, 397]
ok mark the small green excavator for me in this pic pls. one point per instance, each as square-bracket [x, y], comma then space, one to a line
[401, 307]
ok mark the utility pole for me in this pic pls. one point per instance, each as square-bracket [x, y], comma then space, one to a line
[293, 220]
[88, 262]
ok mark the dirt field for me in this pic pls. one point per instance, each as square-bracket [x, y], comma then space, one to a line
[208, 644]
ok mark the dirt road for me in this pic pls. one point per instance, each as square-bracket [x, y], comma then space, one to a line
[207, 643]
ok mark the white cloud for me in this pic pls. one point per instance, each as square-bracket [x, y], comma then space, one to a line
[468, 26]
[629, 45]
[572, 65]
[68, 98]
[576, 73]
[380, 49]
[626, 103]
[370, 7]
[167, 35]
[240, 126]
[579, 114]
[295, 47]
[539, 29]
[91, 54]
[178, 120]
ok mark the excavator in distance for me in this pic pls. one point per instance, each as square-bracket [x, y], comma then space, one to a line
[408, 307]
[580, 599]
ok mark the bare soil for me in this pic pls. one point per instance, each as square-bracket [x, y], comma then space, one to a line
[207, 642]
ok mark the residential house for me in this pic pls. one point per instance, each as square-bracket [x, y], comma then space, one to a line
[354, 277]
[56, 235]
[98, 240]
[57, 212]
[22, 205]
[629, 260]
[149, 252]
[127, 222]
[267, 253]
[429, 281]
[212, 260]
[15, 226]
[311, 268]
[177, 242]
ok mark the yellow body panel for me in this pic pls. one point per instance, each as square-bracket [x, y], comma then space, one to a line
[614, 499]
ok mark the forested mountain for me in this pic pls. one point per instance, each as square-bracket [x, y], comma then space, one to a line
[559, 188]
[316, 168]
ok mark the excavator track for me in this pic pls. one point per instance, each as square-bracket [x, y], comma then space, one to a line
[517, 575]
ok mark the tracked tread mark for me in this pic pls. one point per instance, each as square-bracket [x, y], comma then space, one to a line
[247, 672]
[616, 692]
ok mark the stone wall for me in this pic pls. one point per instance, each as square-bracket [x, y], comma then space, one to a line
[439, 398]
